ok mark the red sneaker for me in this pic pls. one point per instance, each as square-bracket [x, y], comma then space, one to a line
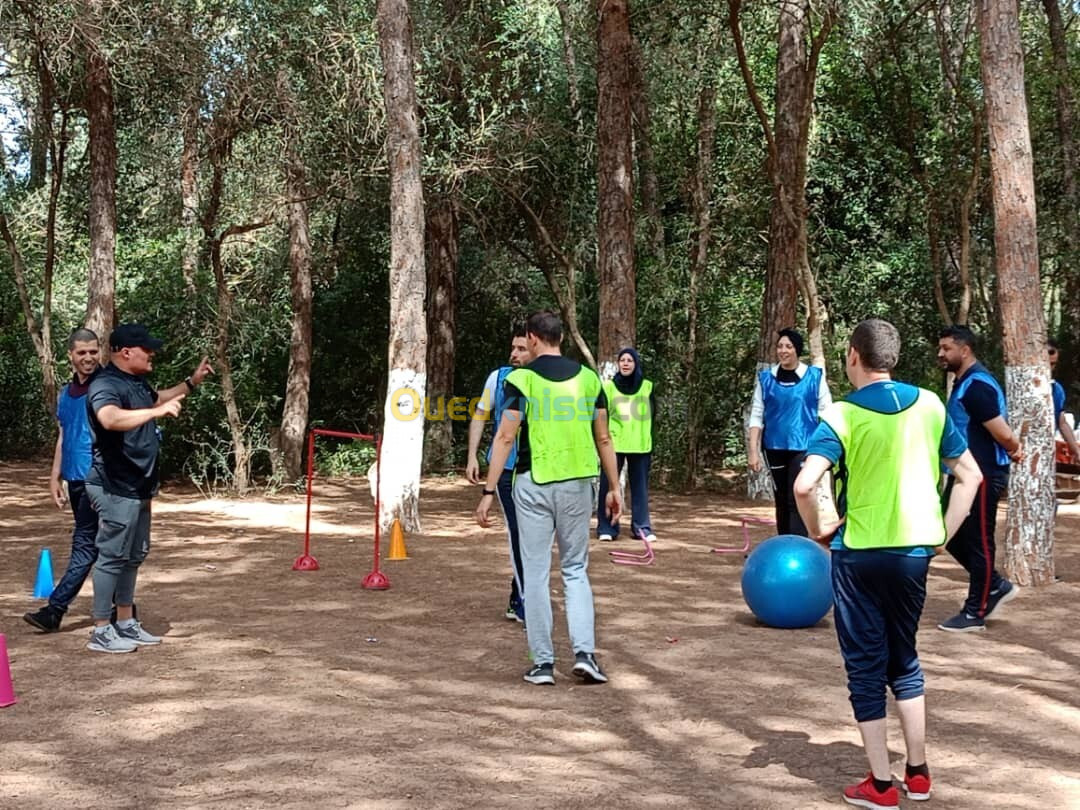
[917, 787]
[865, 794]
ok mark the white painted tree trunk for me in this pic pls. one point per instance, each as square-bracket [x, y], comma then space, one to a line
[1029, 532]
[402, 445]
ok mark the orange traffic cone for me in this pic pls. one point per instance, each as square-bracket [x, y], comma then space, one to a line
[7, 691]
[397, 543]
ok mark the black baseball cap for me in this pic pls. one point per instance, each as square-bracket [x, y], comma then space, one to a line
[127, 335]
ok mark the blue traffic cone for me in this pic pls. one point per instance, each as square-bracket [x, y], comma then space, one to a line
[43, 585]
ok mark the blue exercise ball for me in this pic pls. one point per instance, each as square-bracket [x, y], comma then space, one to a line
[786, 582]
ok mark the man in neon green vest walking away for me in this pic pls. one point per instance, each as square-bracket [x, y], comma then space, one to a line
[559, 408]
[887, 441]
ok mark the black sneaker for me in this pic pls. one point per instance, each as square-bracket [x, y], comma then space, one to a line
[586, 668]
[1005, 592]
[541, 674]
[47, 619]
[963, 623]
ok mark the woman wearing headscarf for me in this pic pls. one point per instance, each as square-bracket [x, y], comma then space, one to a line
[788, 397]
[630, 417]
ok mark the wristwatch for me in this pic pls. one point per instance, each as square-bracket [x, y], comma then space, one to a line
[488, 491]
[190, 385]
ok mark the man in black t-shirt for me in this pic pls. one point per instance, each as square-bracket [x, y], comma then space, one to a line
[122, 408]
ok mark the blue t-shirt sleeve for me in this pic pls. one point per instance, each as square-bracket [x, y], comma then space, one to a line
[1059, 401]
[980, 400]
[953, 443]
[824, 442]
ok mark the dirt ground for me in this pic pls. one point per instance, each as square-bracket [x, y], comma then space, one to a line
[302, 690]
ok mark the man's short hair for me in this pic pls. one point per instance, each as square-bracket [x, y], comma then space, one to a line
[81, 335]
[518, 331]
[960, 333]
[1051, 343]
[545, 325]
[878, 344]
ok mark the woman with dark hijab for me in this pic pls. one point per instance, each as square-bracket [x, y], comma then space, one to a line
[788, 397]
[630, 414]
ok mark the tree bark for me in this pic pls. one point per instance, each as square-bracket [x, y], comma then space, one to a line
[570, 63]
[189, 198]
[615, 192]
[646, 160]
[294, 414]
[1029, 534]
[1064, 111]
[699, 261]
[101, 293]
[442, 267]
[403, 430]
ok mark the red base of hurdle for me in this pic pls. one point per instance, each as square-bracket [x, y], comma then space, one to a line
[376, 580]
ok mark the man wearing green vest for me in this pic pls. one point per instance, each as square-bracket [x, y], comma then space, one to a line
[630, 407]
[556, 411]
[885, 441]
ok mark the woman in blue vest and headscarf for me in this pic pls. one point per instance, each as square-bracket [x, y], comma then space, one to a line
[788, 397]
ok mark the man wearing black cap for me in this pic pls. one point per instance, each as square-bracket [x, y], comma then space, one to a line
[122, 408]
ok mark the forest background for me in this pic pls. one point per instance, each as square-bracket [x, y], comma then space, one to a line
[219, 171]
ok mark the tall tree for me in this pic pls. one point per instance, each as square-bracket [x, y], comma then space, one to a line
[1029, 534]
[787, 268]
[101, 297]
[615, 192]
[294, 414]
[441, 222]
[1065, 114]
[403, 419]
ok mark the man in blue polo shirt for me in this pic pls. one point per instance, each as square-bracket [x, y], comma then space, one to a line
[1061, 424]
[123, 477]
[71, 463]
[977, 407]
[887, 441]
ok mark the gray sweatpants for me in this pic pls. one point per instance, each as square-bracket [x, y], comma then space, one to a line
[123, 541]
[547, 513]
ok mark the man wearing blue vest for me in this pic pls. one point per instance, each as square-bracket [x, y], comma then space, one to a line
[493, 402]
[1061, 424]
[977, 407]
[71, 463]
[886, 442]
[559, 407]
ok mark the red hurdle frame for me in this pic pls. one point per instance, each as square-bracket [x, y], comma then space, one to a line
[376, 580]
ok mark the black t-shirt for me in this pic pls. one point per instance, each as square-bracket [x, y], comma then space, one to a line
[981, 402]
[552, 367]
[125, 461]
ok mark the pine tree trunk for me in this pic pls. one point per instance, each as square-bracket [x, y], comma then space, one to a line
[189, 198]
[403, 431]
[1029, 533]
[1064, 109]
[101, 306]
[294, 415]
[615, 192]
[241, 451]
[442, 266]
[699, 262]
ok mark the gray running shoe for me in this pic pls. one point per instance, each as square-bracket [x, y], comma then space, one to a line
[541, 674]
[107, 640]
[137, 635]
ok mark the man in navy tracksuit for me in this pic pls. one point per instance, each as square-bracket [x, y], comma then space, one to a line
[977, 407]
[493, 403]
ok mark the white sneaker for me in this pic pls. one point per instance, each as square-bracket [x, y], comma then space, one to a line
[650, 537]
[606, 538]
[107, 640]
[137, 635]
